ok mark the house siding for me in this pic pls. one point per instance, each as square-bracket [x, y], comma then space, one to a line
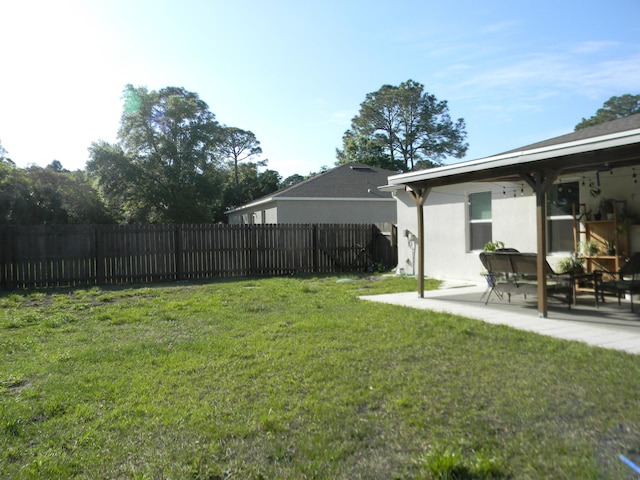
[318, 211]
[337, 211]
[447, 254]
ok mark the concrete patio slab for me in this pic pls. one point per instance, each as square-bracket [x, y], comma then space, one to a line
[610, 326]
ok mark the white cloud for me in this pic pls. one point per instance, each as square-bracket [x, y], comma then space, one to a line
[499, 27]
[342, 118]
[590, 47]
[541, 75]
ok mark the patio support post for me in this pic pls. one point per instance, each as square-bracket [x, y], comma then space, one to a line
[419, 196]
[540, 182]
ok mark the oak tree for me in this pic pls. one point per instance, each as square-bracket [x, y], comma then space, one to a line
[164, 167]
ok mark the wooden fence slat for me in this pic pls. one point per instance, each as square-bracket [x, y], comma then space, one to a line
[75, 255]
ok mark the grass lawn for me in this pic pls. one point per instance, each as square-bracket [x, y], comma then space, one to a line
[296, 378]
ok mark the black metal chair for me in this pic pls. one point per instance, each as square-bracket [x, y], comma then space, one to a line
[626, 280]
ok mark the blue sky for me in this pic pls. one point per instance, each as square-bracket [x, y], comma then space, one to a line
[295, 72]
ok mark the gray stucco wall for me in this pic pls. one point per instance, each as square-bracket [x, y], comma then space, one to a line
[337, 211]
[319, 211]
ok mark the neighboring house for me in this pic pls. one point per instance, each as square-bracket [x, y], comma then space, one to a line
[346, 194]
[503, 197]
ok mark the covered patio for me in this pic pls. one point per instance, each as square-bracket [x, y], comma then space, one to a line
[610, 326]
[602, 148]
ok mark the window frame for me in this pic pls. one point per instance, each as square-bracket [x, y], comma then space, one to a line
[564, 217]
[478, 221]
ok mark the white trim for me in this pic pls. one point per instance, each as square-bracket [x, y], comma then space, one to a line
[336, 199]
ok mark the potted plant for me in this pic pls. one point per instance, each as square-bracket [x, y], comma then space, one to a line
[606, 208]
[572, 263]
[610, 247]
[589, 248]
[493, 246]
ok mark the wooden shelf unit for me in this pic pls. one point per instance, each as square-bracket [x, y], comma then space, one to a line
[601, 232]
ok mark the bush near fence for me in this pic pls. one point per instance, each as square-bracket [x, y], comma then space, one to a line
[79, 255]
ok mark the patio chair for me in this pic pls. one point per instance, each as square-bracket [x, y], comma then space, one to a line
[513, 273]
[491, 273]
[627, 280]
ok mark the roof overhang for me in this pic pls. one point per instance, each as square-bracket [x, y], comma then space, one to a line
[621, 149]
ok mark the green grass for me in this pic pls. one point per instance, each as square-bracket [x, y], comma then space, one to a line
[297, 378]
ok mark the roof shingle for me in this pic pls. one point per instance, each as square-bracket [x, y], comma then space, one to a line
[631, 122]
[350, 180]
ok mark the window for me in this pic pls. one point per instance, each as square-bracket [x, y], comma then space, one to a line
[560, 201]
[479, 220]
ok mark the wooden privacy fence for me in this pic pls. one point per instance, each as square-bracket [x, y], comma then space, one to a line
[78, 255]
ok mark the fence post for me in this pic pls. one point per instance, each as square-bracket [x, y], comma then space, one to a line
[253, 249]
[316, 250]
[3, 260]
[98, 257]
[179, 252]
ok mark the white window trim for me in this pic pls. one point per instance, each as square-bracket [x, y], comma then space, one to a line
[471, 221]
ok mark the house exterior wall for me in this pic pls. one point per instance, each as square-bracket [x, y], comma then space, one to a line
[241, 218]
[318, 211]
[447, 254]
[337, 211]
[260, 214]
[270, 215]
[447, 251]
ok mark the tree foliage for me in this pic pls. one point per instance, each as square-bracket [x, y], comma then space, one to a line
[237, 145]
[403, 127]
[252, 185]
[50, 195]
[291, 180]
[615, 107]
[3, 155]
[174, 163]
[367, 150]
[164, 168]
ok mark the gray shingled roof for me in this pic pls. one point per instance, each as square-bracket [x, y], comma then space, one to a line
[351, 180]
[631, 122]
